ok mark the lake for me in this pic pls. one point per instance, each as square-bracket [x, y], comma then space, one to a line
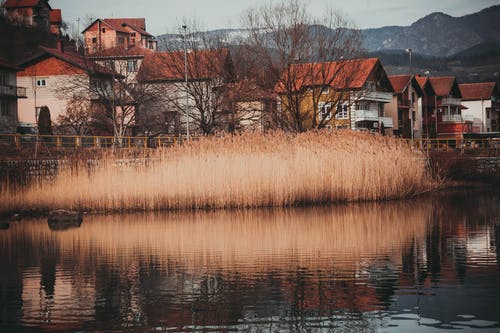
[430, 264]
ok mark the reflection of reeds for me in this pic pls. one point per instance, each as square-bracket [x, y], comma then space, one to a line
[239, 171]
[249, 240]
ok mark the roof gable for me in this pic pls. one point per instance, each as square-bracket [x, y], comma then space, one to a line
[401, 82]
[425, 85]
[55, 16]
[478, 91]
[445, 86]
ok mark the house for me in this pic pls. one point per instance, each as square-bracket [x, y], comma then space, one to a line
[427, 107]
[483, 105]
[53, 78]
[342, 94]
[405, 108]
[451, 123]
[9, 95]
[34, 13]
[249, 107]
[110, 33]
[196, 106]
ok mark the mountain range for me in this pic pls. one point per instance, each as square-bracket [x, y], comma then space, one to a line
[437, 34]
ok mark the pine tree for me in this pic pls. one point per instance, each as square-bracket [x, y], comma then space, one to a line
[44, 122]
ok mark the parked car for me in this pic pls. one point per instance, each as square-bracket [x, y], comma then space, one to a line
[27, 132]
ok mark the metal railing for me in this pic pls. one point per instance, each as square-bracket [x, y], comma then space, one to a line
[71, 141]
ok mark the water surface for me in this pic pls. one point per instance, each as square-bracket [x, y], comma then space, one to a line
[423, 265]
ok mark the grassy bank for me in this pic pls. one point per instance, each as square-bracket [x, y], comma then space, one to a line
[250, 170]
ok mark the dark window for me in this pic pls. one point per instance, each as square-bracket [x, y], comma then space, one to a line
[4, 108]
[103, 30]
[94, 40]
[132, 65]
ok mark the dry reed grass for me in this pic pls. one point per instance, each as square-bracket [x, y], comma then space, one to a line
[249, 170]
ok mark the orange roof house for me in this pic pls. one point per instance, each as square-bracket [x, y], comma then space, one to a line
[53, 77]
[345, 93]
[37, 13]
[404, 108]
[109, 33]
[449, 120]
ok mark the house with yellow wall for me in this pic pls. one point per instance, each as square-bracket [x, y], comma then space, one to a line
[341, 94]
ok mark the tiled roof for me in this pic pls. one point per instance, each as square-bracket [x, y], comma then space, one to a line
[399, 82]
[132, 51]
[169, 66]
[443, 85]
[55, 16]
[477, 91]
[119, 23]
[422, 80]
[346, 74]
[70, 58]
[20, 3]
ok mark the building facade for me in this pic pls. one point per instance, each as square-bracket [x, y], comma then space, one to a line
[109, 33]
[9, 95]
[482, 101]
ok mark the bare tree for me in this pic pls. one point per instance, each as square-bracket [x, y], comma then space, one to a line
[303, 58]
[203, 60]
[77, 116]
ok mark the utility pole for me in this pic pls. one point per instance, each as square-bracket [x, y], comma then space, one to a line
[184, 27]
[411, 99]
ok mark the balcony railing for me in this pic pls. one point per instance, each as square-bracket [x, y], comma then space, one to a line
[13, 91]
[378, 96]
[456, 118]
[365, 115]
[451, 101]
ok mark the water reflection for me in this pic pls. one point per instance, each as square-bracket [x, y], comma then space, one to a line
[324, 268]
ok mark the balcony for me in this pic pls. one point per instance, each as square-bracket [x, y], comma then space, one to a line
[365, 115]
[13, 91]
[378, 96]
[450, 101]
[457, 118]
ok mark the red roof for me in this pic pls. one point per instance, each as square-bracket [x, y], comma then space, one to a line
[422, 81]
[443, 85]
[340, 75]
[55, 16]
[169, 66]
[119, 24]
[20, 3]
[132, 51]
[399, 82]
[70, 58]
[478, 91]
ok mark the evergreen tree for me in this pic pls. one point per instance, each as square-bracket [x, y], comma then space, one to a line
[44, 122]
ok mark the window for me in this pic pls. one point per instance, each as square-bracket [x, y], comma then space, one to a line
[132, 41]
[132, 34]
[325, 91]
[103, 30]
[121, 40]
[4, 80]
[94, 40]
[4, 108]
[41, 83]
[132, 65]
[325, 111]
[342, 111]
[487, 113]
[362, 106]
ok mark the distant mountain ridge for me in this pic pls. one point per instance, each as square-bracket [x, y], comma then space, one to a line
[437, 34]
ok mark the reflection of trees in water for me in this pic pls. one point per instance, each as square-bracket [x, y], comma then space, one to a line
[219, 267]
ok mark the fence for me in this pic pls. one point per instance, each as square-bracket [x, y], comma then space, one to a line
[68, 141]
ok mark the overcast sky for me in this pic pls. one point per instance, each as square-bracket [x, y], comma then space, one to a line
[165, 15]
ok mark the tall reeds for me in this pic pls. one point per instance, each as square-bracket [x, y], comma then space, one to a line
[248, 170]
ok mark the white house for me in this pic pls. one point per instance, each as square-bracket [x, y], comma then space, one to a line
[483, 105]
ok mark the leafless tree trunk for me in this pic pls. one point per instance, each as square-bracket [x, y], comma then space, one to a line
[292, 52]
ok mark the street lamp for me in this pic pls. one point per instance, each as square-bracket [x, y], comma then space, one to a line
[184, 27]
[411, 100]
